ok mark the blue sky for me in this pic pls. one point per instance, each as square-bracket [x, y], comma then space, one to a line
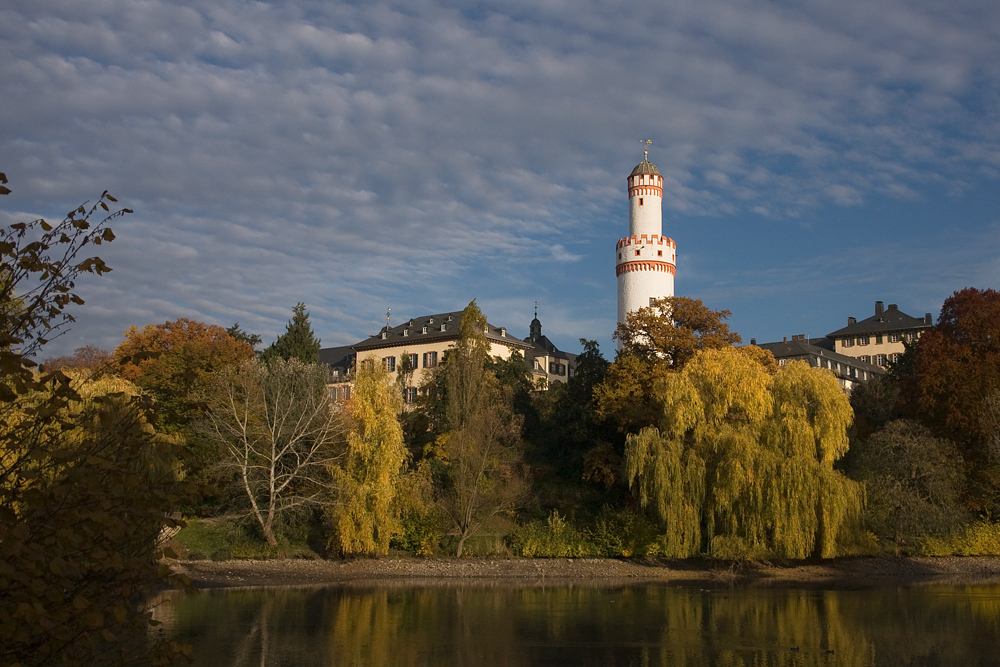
[416, 155]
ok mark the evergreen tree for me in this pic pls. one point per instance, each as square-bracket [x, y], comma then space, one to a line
[298, 341]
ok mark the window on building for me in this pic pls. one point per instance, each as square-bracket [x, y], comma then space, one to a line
[848, 342]
[636, 253]
[389, 364]
[894, 338]
[878, 339]
[347, 392]
[430, 359]
[652, 300]
[640, 201]
[894, 357]
[410, 395]
[659, 253]
[880, 359]
[865, 358]
[413, 361]
[862, 340]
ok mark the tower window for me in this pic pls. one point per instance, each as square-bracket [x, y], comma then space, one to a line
[659, 253]
[636, 253]
[640, 201]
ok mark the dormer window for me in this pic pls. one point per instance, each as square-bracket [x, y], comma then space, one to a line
[449, 318]
[443, 326]
[503, 332]
[406, 333]
[383, 335]
[424, 330]
[430, 320]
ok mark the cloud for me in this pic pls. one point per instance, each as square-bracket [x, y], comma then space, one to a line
[356, 155]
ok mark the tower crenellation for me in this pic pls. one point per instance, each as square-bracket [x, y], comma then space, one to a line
[645, 259]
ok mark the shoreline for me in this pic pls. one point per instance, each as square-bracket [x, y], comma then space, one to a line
[854, 572]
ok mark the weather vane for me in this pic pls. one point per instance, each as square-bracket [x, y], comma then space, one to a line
[536, 310]
[387, 311]
[646, 143]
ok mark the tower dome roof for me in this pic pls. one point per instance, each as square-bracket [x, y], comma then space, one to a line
[645, 167]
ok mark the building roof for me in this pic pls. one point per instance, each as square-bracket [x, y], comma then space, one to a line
[411, 332]
[645, 167]
[542, 346]
[799, 346]
[337, 357]
[889, 319]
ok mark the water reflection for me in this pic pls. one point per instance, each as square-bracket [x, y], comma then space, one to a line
[642, 625]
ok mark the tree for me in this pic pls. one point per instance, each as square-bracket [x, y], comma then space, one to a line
[364, 519]
[84, 492]
[671, 329]
[280, 432]
[88, 357]
[172, 359]
[742, 462]
[479, 455]
[298, 341]
[253, 340]
[914, 482]
[656, 340]
[956, 366]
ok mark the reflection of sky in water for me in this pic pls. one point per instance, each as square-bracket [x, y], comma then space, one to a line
[645, 625]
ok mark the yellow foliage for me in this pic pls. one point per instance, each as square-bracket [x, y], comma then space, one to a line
[364, 520]
[743, 459]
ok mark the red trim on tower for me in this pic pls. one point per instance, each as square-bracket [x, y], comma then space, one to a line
[646, 265]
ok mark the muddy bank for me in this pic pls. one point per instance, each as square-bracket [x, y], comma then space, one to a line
[837, 573]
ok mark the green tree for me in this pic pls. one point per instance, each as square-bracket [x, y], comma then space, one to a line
[365, 517]
[85, 485]
[742, 463]
[914, 482]
[280, 433]
[298, 341]
[479, 455]
[238, 334]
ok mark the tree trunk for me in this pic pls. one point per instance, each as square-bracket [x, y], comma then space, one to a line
[461, 543]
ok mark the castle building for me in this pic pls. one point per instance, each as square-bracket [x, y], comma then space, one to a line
[879, 339]
[646, 259]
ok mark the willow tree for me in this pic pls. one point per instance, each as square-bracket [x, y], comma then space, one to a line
[364, 520]
[742, 462]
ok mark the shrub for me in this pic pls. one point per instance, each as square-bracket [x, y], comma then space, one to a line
[552, 539]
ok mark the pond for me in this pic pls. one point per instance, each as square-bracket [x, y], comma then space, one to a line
[587, 625]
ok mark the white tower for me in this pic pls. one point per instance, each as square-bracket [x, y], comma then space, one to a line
[646, 259]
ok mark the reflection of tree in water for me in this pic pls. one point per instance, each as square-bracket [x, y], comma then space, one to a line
[654, 625]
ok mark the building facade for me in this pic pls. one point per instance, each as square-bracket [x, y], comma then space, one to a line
[819, 353]
[646, 260]
[548, 364]
[879, 339]
[415, 348]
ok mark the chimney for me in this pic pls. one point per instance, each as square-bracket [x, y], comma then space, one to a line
[878, 308]
[753, 341]
[893, 306]
[851, 320]
[928, 319]
[801, 337]
[784, 339]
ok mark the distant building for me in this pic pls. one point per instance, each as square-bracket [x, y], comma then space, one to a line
[549, 365]
[422, 342]
[879, 339]
[819, 353]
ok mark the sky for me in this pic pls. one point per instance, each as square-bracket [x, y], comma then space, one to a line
[416, 155]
